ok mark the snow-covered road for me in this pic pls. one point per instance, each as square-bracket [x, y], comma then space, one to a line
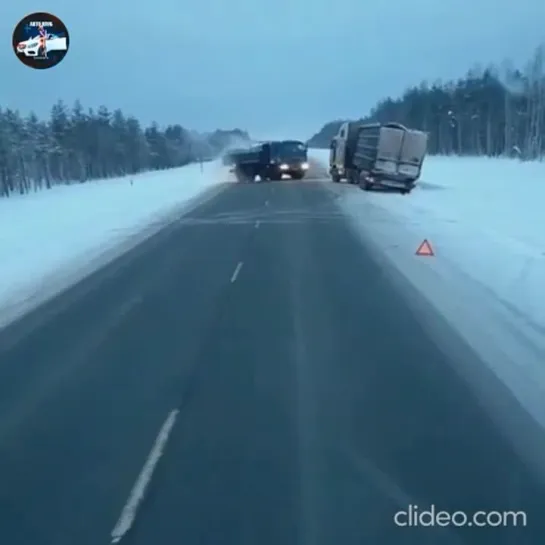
[483, 218]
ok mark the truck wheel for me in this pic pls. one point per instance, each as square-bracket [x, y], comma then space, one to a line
[367, 185]
[335, 177]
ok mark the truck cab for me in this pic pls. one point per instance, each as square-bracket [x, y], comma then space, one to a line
[288, 157]
[341, 151]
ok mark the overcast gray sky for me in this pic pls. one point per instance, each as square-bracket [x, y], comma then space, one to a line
[274, 67]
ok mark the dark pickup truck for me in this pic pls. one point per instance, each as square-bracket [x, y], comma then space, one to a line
[270, 161]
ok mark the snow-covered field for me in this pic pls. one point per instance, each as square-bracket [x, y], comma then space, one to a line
[485, 220]
[53, 238]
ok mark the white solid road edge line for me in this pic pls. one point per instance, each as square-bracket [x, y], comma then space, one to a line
[257, 224]
[235, 274]
[139, 489]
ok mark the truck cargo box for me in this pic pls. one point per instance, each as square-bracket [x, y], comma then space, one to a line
[230, 157]
[389, 154]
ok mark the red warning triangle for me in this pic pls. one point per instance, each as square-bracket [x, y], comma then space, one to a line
[425, 249]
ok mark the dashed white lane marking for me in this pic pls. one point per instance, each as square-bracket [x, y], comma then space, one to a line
[266, 203]
[235, 274]
[136, 496]
[257, 223]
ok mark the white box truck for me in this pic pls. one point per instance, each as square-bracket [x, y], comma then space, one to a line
[378, 155]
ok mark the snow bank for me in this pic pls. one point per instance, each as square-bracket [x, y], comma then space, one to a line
[485, 221]
[51, 239]
[483, 215]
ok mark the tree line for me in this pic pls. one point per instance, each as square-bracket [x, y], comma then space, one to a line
[76, 145]
[491, 111]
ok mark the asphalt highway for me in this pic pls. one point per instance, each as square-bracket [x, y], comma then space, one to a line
[251, 376]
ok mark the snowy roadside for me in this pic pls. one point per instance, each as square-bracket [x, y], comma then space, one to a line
[52, 239]
[483, 219]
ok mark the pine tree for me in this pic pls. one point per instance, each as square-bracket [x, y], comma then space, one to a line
[490, 111]
[75, 145]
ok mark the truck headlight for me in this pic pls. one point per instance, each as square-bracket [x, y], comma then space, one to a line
[305, 166]
[284, 167]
